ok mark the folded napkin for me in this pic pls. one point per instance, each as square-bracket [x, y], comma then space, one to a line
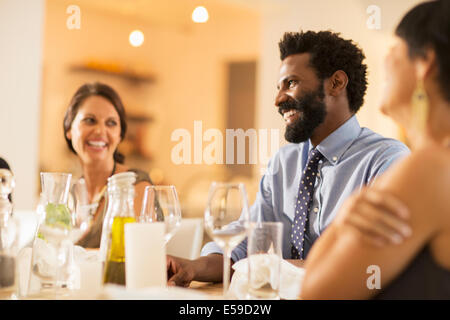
[46, 262]
[291, 277]
[115, 292]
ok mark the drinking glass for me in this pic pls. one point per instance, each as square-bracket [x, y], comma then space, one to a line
[226, 220]
[264, 260]
[83, 211]
[160, 204]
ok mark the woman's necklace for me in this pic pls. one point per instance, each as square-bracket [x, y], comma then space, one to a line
[99, 195]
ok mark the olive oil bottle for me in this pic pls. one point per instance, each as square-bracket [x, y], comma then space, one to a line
[120, 210]
[115, 264]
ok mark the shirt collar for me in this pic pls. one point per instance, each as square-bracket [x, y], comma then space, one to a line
[334, 146]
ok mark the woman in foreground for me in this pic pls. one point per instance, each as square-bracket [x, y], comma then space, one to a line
[341, 264]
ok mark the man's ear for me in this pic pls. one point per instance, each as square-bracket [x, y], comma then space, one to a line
[337, 83]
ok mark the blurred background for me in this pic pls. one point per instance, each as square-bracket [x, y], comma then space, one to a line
[213, 68]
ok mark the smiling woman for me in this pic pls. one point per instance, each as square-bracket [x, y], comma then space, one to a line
[94, 125]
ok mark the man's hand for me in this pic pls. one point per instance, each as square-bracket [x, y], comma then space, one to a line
[180, 272]
[379, 216]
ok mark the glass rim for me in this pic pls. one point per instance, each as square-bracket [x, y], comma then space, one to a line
[227, 184]
[55, 173]
[162, 187]
[264, 223]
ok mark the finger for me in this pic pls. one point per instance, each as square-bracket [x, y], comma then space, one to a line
[179, 279]
[369, 236]
[384, 219]
[372, 228]
[387, 201]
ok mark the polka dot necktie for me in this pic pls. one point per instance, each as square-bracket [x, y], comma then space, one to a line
[304, 200]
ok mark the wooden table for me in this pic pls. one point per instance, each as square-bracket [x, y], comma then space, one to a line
[209, 288]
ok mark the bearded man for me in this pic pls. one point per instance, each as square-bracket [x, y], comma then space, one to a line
[321, 87]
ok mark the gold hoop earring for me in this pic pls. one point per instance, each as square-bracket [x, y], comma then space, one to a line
[420, 106]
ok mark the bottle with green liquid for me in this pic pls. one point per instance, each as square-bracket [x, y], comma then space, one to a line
[119, 211]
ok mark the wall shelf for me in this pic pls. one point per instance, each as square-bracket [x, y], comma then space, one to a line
[113, 70]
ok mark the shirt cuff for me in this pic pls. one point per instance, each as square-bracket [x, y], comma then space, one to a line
[210, 247]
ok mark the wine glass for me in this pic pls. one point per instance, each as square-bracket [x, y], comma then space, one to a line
[82, 211]
[160, 204]
[226, 220]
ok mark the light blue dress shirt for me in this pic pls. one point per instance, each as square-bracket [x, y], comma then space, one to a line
[353, 157]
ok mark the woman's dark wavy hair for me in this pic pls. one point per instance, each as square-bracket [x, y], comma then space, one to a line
[95, 89]
[330, 53]
[425, 26]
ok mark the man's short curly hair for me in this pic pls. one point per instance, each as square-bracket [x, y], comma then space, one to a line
[330, 53]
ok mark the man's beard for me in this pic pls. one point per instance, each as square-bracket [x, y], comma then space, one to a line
[312, 113]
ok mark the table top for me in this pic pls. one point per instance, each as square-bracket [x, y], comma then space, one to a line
[209, 288]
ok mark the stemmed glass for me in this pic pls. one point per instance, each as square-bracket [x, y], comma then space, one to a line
[160, 204]
[82, 211]
[226, 220]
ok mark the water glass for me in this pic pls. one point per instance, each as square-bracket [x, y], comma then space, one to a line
[264, 260]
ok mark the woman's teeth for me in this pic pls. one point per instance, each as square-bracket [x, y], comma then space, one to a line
[99, 144]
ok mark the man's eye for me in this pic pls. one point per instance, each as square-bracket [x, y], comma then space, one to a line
[292, 83]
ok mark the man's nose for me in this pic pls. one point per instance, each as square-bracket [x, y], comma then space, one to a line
[280, 98]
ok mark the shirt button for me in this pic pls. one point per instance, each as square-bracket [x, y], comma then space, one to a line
[334, 158]
[316, 210]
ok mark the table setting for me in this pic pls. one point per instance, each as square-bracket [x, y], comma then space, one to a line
[131, 261]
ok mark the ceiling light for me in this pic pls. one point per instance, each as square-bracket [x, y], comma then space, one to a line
[200, 15]
[136, 38]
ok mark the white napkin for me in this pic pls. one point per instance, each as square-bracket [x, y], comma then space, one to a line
[290, 279]
[115, 292]
[46, 260]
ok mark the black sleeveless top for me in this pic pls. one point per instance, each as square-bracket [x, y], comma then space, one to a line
[422, 279]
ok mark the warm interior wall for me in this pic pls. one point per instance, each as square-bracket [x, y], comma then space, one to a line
[189, 68]
[21, 36]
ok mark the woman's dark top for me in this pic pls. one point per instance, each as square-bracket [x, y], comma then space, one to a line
[5, 165]
[422, 279]
[92, 238]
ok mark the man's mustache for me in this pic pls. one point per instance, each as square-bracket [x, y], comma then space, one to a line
[291, 104]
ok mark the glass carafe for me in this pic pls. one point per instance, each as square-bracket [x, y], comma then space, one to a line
[51, 266]
[8, 239]
[119, 211]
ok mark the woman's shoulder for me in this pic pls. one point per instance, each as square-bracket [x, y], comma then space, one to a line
[422, 178]
[430, 161]
[141, 175]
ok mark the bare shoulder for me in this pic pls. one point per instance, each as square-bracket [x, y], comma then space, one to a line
[421, 180]
[430, 165]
